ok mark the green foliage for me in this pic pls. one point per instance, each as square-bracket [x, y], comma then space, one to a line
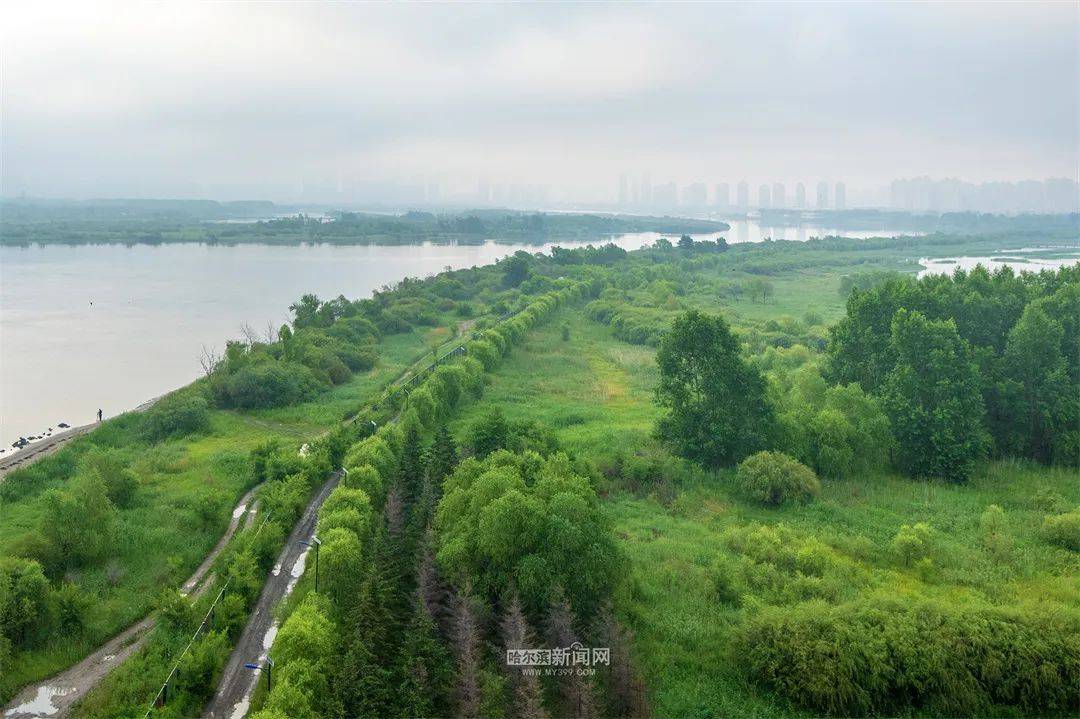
[77, 523]
[773, 478]
[488, 434]
[176, 415]
[110, 467]
[1063, 530]
[839, 431]
[914, 543]
[932, 398]
[1019, 330]
[994, 528]
[521, 523]
[717, 410]
[268, 384]
[880, 656]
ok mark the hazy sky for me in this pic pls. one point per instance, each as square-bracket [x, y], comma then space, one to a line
[250, 100]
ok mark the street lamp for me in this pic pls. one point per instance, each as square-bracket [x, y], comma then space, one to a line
[346, 473]
[269, 666]
[315, 543]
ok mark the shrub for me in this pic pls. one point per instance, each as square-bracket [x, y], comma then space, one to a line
[773, 478]
[913, 543]
[995, 532]
[269, 384]
[1063, 530]
[176, 415]
[485, 352]
[880, 656]
[488, 433]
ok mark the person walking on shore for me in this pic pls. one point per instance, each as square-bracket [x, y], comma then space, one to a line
[99, 414]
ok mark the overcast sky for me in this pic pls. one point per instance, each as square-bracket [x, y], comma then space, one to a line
[250, 100]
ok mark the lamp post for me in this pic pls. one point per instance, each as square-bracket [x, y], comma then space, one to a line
[315, 543]
[269, 666]
[346, 473]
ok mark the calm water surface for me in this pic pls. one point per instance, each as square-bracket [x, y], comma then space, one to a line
[111, 326]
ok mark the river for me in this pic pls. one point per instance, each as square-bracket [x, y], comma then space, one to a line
[109, 326]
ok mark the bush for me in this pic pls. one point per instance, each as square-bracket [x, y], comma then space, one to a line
[995, 532]
[1063, 530]
[269, 384]
[880, 656]
[914, 543]
[176, 415]
[773, 478]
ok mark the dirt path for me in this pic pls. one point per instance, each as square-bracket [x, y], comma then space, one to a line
[233, 697]
[55, 696]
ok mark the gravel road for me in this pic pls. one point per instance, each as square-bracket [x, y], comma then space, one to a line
[233, 697]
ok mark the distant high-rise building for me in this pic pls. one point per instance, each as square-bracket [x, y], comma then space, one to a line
[722, 197]
[646, 190]
[840, 197]
[763, 197]
[778, 195]
[822, 195]
[665, 196]
[800, 196]
[695, 195]
[624, 189]
[483, 192]
[742, 194]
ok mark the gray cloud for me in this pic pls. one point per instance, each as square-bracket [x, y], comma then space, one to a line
[252, 99]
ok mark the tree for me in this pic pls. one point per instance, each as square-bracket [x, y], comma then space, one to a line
[516, 269]
[467, 642]
[717, 411]
[488, 433]
[425, 668]
[686, 242]
[517, 635]
[305, 311]
[1043, 400]
[522, 523]
[933, 400]
[575, 690]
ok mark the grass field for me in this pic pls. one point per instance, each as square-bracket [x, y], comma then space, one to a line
[164, 536]
[596, 392]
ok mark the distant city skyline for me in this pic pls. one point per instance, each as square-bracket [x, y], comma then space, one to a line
[538, 102]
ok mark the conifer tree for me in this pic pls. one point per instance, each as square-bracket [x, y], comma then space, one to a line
[467, 643]
[426, 668]
[575, 691]
[528, 702]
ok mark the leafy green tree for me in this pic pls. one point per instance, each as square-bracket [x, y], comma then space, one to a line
[1044, 400]
[489, 433]
[526, 524]
[516, 269]
[933, 401]
[717, 410]
[305, 311]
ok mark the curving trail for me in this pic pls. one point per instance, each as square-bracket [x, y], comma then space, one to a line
[233, 696]
[55, 696]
